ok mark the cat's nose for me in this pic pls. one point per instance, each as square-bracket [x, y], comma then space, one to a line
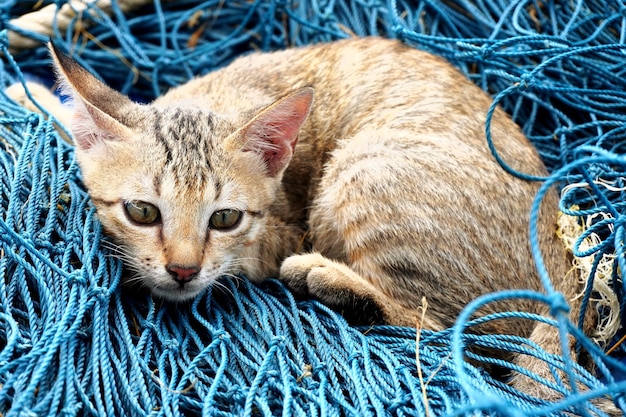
[182, 273]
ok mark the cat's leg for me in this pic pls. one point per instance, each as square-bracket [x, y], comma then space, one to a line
[340, 287]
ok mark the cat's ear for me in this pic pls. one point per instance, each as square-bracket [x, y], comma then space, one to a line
[273, 132]
[98, 108]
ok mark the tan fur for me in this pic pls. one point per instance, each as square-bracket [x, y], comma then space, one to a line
[391, 182]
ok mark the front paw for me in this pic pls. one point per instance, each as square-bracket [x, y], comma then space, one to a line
[295, 271]
[335, 285]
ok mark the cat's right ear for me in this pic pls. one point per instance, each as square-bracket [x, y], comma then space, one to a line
[272, 134]
[98, 108]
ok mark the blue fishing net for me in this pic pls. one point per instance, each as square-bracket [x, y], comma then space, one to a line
[73, 343]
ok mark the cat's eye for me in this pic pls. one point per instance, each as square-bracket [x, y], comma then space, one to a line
[141, 212]
[225, 219]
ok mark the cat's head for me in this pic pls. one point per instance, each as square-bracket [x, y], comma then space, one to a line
[183, 191]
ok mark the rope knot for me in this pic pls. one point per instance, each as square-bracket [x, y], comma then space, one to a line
[148, 325]
[527, 80]
[486, 53]
[221, 334]
[558, 304]
[101, 293]
[399, 30]
[76, 277]
[172, 345]
[33, 119]
[162, 62]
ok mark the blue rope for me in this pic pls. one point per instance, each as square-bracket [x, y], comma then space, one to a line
[72, 343]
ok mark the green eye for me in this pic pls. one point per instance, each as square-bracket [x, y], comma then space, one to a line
[141, 212]
[225, 219]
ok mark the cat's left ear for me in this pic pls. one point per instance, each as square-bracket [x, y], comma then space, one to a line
[99, 110]
[273, 133]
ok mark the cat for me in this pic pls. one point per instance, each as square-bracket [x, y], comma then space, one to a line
[356, 171]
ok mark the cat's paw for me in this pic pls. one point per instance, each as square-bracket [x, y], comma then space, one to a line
[295, 271]
[333, 284]
[320, 277]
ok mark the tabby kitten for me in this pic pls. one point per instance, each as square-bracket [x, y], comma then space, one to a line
[371, 152]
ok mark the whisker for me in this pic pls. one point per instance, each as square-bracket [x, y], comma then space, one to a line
[115, 248]
[134, 279]
[241, 261]
[223, 287]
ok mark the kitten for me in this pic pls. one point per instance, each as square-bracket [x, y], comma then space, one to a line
[371, 151]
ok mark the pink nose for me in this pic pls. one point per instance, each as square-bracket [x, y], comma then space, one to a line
[182, 273]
